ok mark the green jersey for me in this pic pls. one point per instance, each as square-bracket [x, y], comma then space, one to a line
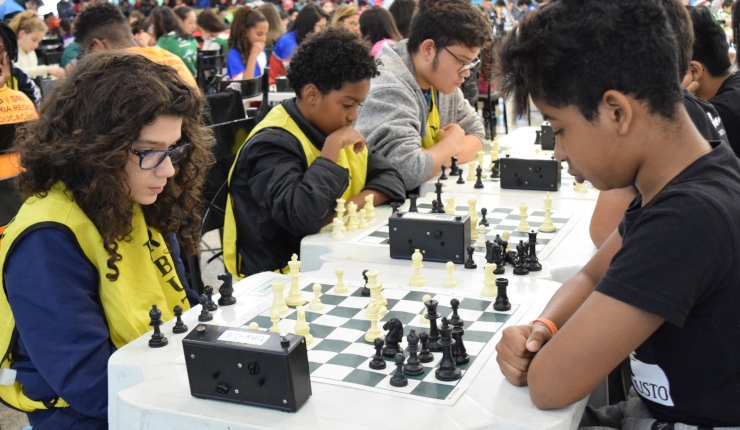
[187, 50]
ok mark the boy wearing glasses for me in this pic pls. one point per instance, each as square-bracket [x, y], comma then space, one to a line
[415, 113]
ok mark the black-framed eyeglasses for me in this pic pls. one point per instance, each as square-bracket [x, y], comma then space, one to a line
[464, 66]
[149, 160]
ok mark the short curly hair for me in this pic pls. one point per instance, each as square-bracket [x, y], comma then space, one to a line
[330, 59]
[449, 22]
[710, 42]
[98, 21]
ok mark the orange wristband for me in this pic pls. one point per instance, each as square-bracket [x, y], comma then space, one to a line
[550, 325]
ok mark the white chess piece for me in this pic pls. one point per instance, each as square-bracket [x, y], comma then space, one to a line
[417, 280]
[361, 223]
[523, 224]
[481, 236]
[351, 216]
[375, 297]
[374, 331]
[450, 205]
[340, 212]
[301, 326]
[341, 287]
[481, 160]
[275, 318]
[278, 300]
[423, 317]
[449, 280]
[471, 171]
[582, 188]
[295, 297]
[473, 214]
[369, 206]
[316, 304]
[507, 236]
[336, 229]
[489, 281]
[547, 224]
[254, 326]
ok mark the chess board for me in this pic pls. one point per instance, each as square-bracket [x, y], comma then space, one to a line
[500, 220]
[339, 354]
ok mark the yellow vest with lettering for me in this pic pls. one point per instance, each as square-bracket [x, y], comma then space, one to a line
[279, 118]
[433, 123]
[147, 277]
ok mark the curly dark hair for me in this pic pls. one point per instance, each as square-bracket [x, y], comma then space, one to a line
[100, 21]
[244, 19]
[329, 59]
[84, 135]
[680, 23]
[449, 22]
[710, 42]
[572, 51]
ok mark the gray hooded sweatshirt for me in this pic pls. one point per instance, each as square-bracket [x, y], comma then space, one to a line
[393, 117]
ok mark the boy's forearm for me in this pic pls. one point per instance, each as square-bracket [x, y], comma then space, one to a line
[473, 145]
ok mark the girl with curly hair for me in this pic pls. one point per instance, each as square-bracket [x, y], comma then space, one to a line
[113, 171]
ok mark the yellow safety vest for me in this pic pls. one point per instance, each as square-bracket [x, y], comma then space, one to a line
[279, 118]
[147, 277]
[433, 124]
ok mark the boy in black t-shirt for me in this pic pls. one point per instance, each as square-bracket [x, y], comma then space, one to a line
[663, 289]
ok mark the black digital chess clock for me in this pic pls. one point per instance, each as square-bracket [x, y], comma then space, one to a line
[439, 237]
[247, 366]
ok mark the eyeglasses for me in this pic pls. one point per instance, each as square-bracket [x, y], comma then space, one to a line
[464, 66]
[149, 160]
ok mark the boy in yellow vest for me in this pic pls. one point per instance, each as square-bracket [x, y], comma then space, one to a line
[109, 194]
[304, 156]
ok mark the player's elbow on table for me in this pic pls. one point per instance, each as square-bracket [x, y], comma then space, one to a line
[549, 391]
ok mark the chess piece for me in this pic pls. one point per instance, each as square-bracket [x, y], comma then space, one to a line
[395, 206]
[316, 304]
[393, 338]
[443, 177]
[412, 204]
[438, 190]
[204, 314]
[361, 223]
[275, 319]
[450, 205]
[413, 365]
[471, 171]
[369, 206]
[210, 304]
[254, 326]
[473, 214]
[521, 263]
[470, 264]
[455, 319]
[158, 340]
[375, 296]
[423, 316]
[502, 300]
[483, 220]
[478, 176]
[301, 326]
[496, 172]
[547, 224]
[278, 299]
[533, 263]
[506, 235]
[447, 369]
[377, 362]
[373, 332]
[295, 297]
[460, 179]
[226, 290]
[432, 315]
[365, 290]
[399, 379]
[481, 242]
[459, 352]
[417, 280]
[180, 326]
[336, 229]
[481, 157]
[341, 287]
[425, 356]
[435, 207]
[538, 139]
[340, 212]
[489, 281]
[454, 169]
[352, 217]
[449, 280]
[523, 224]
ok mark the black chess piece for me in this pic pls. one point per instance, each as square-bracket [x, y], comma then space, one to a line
[436, 208]
[412, 207]
[432, 315]
[413, 365]
[204, 314]
[483, 220]
[443, 177]
[180, 326]
[395, 206]
[460, 179]
[455, 319]
[520, 268]
[210, 304]
[158, 340]
[365, 290]
[393, 338]
[470, 264]
[438, 189]
[496, 171]
[454, 169]
[425, 356]
[489, 252]
[459, 353]
[498, 259]
[533, 263]
[226, 290]
[502, 300]
[377, 361]
[447, 370]
[538, 139]
[399, 379]
[478, 174]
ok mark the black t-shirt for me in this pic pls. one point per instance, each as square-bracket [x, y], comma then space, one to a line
[705, 117]
[680, 260]
[727, 103]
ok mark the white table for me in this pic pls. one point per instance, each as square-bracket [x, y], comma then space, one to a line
[148, 388]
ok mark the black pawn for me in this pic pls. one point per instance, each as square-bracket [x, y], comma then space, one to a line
[399, 379]
[377, 361]
[180, 326]
[460, 179]
[158, 340]
[459, 353]
[204, 314]
[413, 366]
[533, 263]
[521, 262]
[454, 169]
[455, 319]
[425, 356]
[470, 264]
[447, 370]
[443, 177]
[365, 290]
[435, 207]
[395, 206]
[432, 315]
[478, 181]
[496, 171]
[210, 304]
[412, 207]
[483, 220]
[502, 300]
[226, 290]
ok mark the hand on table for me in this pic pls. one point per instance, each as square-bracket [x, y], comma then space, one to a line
[517, 347]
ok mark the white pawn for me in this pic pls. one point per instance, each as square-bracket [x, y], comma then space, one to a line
[417, 280]
[481, 156]
[481, 236]
[547, 224]
[278, 300]
[361, 223]
[341, 287]
[507, 236]
[254, 326]
[374, 331]
[316, 304]
[583, 188]
[450, 205]
[351, 216]
[489, 281]
[301, 326]
[473, 214]
[471, 171]
[336, 229]
[295, 297]
[422, 317]
[369, 206]
[275, 318]
[523, 224]
[340, 212]
[449, 280]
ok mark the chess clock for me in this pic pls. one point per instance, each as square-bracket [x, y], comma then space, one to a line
[440, 237]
